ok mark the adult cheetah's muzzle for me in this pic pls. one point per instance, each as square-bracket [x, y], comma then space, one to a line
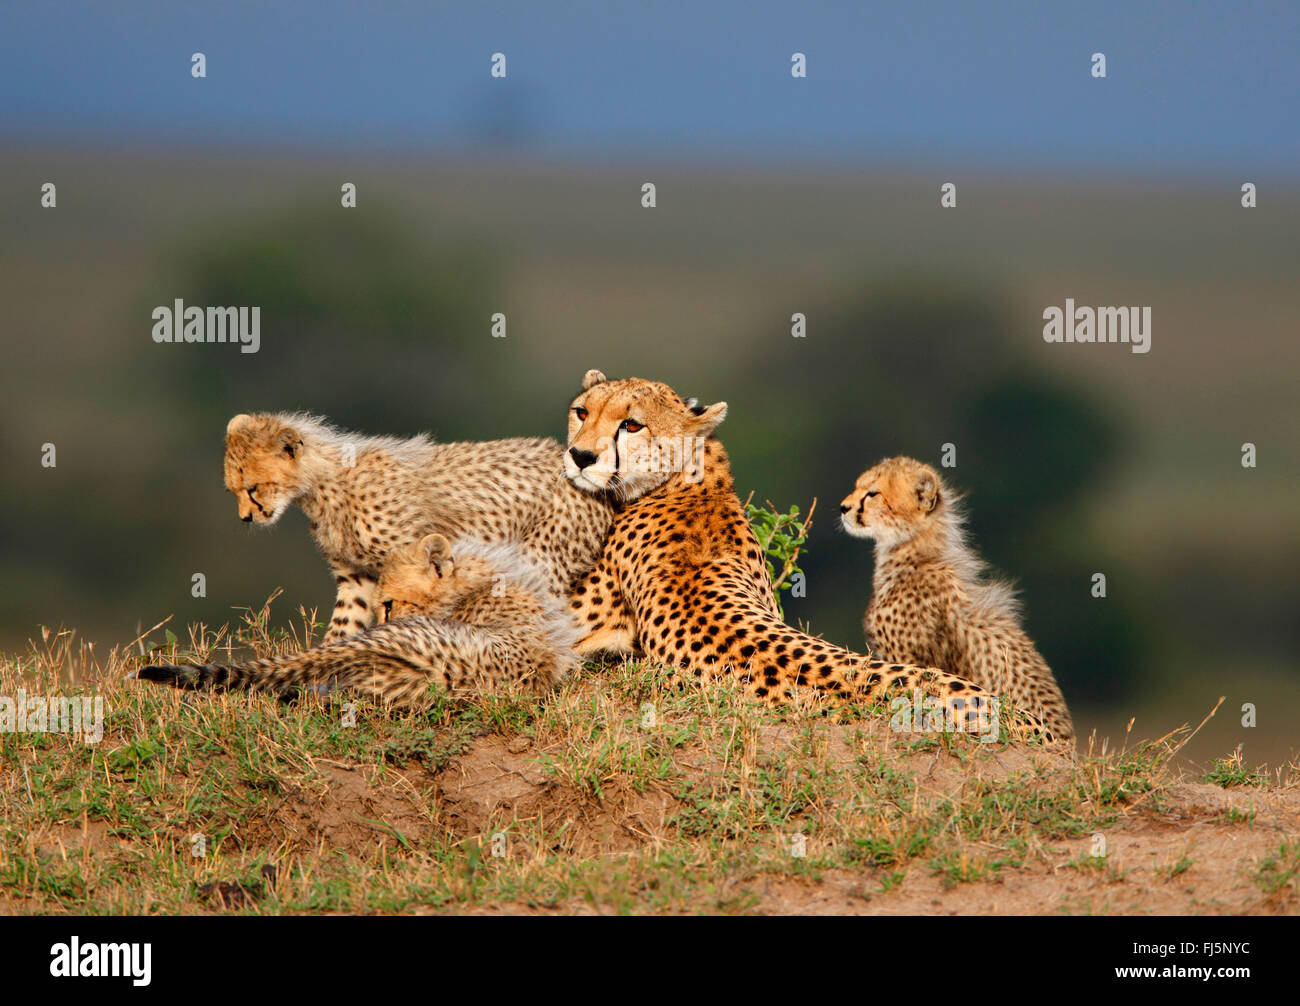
[583, 459]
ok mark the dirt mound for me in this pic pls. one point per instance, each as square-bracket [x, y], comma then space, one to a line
[496, 786]
[346, 809]
[501, 782]
[621, 793]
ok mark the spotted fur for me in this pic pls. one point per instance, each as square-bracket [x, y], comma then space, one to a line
[473, 616]
[931, 602]
[366, 496]
[682, 578]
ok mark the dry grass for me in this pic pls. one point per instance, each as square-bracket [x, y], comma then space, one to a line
[622, 794]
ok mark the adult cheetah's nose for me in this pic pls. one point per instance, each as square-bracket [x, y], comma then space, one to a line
[845, 507]
[583, 459]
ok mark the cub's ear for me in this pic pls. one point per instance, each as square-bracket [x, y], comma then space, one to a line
[927, 491]
[708, 418]
[290, 441]
[591, 378]
[437, 552]
[237, 425]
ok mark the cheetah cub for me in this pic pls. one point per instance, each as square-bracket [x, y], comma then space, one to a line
[497, 589]
[366, 497]
[930, 601]
[468, 615]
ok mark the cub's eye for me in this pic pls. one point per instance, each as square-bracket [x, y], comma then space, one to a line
[581, 413]
[388, 611]
[632, 426]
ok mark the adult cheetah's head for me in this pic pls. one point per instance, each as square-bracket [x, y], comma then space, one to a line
[629, 437]
[263, 466]
[893, 502]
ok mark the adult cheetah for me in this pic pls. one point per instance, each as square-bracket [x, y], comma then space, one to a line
[681, 577]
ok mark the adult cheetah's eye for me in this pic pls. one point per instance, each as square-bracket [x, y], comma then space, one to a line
[874, 492]
[581, 413]
[632, 426]
[388, 611]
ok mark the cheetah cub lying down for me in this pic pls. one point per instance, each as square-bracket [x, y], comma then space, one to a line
[468, 615]
[930, 602]
[365, 497]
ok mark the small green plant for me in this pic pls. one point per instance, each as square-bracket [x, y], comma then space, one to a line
[955, 868]
[891, 880]
[1279, 868]
[781, 536]
[1232, 771]
[1172, 869]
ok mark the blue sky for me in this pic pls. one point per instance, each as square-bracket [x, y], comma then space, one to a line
[1191, 87]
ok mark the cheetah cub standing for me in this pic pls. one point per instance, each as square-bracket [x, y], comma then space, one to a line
[467, 615]
[930, 602]
[365, 496]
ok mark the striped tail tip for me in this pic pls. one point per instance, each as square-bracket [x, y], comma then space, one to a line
[177, 677]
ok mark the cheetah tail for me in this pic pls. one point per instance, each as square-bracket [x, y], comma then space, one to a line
[261, 675]
[377, 665]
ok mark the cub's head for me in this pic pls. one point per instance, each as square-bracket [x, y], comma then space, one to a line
[427, 579]
[893, 502]
[628, 437]
[263, 466]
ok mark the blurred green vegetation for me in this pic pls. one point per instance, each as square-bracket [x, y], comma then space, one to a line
[356, 305]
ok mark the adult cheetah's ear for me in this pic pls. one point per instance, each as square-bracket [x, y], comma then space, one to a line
[708, 419]
[591, 378]
[436, 550]
[927, 492]
[290, 441]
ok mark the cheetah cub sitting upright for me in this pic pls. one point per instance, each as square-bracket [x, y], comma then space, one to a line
[931, 603]
[467, 615]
